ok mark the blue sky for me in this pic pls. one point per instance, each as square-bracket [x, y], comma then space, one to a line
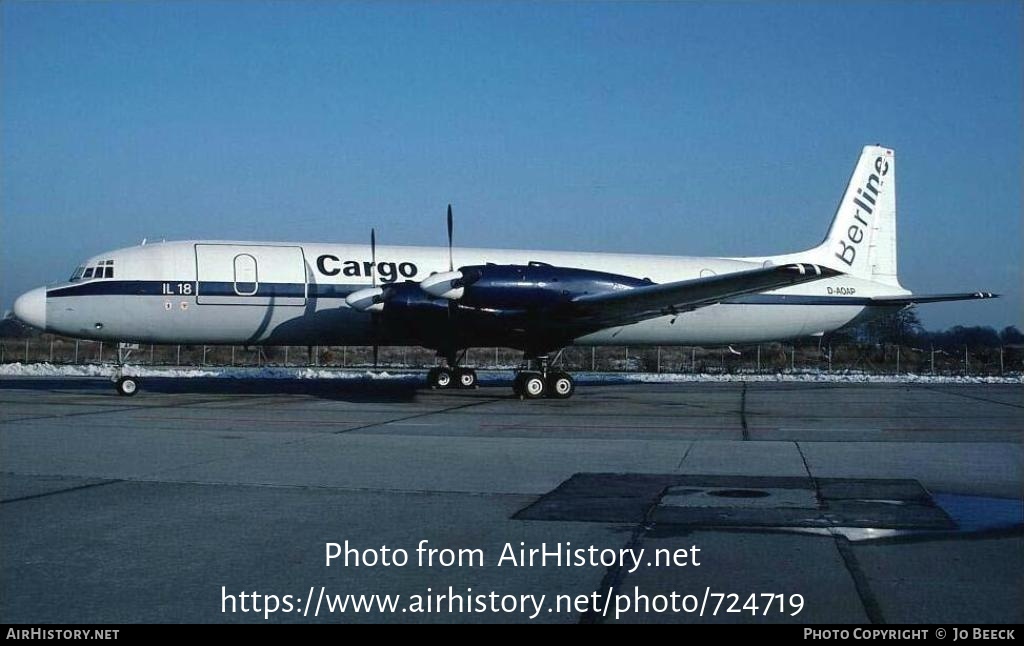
[682, 128]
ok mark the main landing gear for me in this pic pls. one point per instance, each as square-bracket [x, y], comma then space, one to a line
[534, 381]
[445, 377]
[452, 375]
[541, 382]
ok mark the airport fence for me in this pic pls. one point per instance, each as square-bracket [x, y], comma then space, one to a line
[766, 358]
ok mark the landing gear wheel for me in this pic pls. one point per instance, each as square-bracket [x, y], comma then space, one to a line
[466, 378]
[561, 385]
[127, 386]
[532, 385]
[440, 378]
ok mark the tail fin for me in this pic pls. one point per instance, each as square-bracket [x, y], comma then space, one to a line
[862, 239]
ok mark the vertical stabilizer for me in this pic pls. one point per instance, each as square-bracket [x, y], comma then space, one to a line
[862, 239]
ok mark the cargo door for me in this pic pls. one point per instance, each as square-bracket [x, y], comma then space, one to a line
[229, 274]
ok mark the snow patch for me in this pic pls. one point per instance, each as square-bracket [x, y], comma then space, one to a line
[52, 370]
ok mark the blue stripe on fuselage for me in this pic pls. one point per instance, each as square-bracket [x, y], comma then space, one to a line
[105, 287]
[206, 288]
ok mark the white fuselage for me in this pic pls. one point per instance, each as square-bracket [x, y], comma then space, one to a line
[294, 293]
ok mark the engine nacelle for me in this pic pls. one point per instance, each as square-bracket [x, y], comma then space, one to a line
[481, 303]
[370, 299]
[408, 299]
[449, 284]
[536, 285]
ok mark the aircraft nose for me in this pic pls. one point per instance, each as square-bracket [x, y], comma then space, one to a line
[30, 307]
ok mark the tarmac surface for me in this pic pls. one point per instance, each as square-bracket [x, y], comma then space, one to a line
[876, 503]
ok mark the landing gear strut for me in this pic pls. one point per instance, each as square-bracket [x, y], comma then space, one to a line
[452, 375]
[534, 383]
[126, 386]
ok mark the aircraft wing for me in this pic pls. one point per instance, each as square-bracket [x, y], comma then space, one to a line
[914, 299]
[632, 305]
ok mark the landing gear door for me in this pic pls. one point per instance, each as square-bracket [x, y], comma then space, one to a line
[229, 274]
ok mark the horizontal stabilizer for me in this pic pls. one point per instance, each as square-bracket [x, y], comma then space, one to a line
[915, 299]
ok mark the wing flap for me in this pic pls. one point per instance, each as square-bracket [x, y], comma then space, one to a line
[915, 299]
[632, 305]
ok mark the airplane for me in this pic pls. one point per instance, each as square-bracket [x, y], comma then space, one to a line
[539, 302]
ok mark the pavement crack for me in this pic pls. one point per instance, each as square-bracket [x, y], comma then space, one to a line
[314, 436]
[685, 455]
[616, 574]
[860, 580]
[868, 601]
[116, 409]
[60, 491]
[414, 416]
[803, 458]
[974, 397]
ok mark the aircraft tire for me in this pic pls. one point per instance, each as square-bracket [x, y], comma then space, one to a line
[560, 385]
[466, 378]
[440, 378]
[127, 386]
[533, 386]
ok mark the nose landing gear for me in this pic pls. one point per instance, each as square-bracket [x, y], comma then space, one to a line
[126, 386]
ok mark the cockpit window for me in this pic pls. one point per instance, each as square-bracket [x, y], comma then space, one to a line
[102, 269]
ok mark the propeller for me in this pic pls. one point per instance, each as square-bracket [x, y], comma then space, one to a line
[374, 320]
[370, 299]
[449, 284]
[451, 262]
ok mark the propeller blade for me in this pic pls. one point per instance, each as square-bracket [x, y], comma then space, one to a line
[373, 257]
[370, 300]
[451, 262]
